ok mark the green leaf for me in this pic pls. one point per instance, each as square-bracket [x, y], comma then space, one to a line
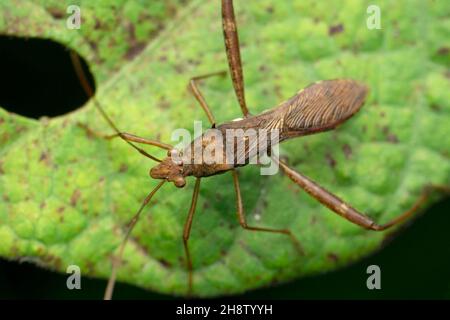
[66, 197]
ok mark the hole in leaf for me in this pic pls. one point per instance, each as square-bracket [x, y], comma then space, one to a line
[38, 78]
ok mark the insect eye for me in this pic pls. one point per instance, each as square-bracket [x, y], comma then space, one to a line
[179, 182]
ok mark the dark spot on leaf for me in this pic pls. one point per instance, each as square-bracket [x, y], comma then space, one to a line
[338, 28]
[134, 50]
[90, 266]
[389, 136]
[382, 114]
[347, 151]
[123, 168]
[364, 128]
[435, 107]
[42, 205]
[98, 24]
[263, 68]
[56, 13]
[5, 137]
[101, 179]
[162, 58]
[179, 68]
[193, 61]
[333, 257]
[443, 51]
[165, 263]
[330, 160]
[205, 205]
[60, 209]
[45, 157]
[2, 171]
[19, 129]
[277, 91]
[313, 220]
[269, 9]
[75, 196]
[5, 198]
[2, 120]
[163, 103]
[392, 138]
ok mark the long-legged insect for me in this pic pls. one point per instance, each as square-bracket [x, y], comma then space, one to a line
[320, 107]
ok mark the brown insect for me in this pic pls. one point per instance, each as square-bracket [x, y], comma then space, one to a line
[320, 107]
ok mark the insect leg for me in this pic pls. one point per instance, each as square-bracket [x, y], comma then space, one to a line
[116, 261]
[198, 95]
[232, 48]
[187, 232]
[243, 222]
[346, 211]
[125, 136]
[90, 93]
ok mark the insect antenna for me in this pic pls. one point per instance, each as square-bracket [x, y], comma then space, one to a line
[90, 93]
[117, 260]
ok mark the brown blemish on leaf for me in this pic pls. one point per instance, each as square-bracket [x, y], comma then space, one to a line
[262, 68]
[90, 266]
[389, 136]
[60, 209]
[165, 263]
[269, 9]
[179, 68]
[2, 120]
[392, 138]
[435, 107]
[163, 103]
[56, 13]
[75, 197]
[45, 157]
[5, 198]
[134, 50]
[20, 129]
[194, 62]
[5, 137]
[443, 51]
[331, 161]
[338, 28]
[347, 151]
[98, 24]
[123, 168]
[205, 205]
[333, 257]
[2, 171]
[42, 205]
